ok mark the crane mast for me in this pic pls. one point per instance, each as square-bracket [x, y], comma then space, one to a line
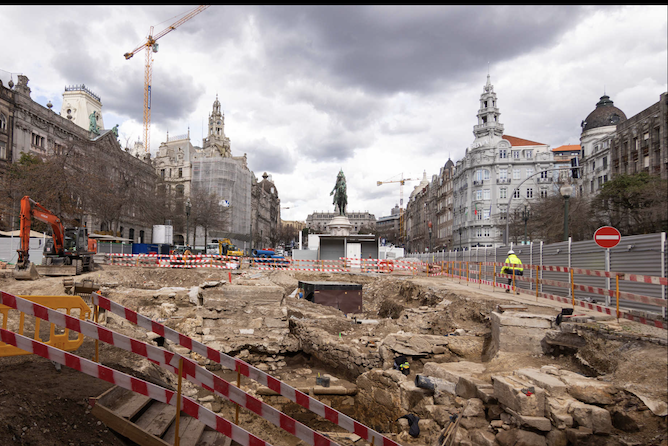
[151, 46]
[401, 182]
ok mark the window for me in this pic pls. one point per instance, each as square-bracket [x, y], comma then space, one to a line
[37, 141]
[516, 193]
[502, 153]
[478, 232]
[543, 192]
[516, 174]
[593, 165]
[485, 194]
[543, 174]
[485, 174]
[485, 232]
[591, 186]
[605, 178]
[3, 122]
[180, 172]
[528, 154]
[529, 192]
[529, 172]
[179, 190]
[503, 193]
[605, 162]
[485, 214]
[162, 173]
[3, 151]
[478, 195]
[503, 174]
[478, 214]
[516, 154]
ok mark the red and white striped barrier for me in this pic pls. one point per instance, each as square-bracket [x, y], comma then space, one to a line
[231, 363]
[568, 300]
[137, 385]
[191, 370]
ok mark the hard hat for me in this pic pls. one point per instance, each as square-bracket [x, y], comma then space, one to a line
[511, 252]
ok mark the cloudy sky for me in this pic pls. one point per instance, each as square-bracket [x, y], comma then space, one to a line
[378, 91]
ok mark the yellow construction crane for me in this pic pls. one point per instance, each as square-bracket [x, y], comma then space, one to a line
[401, 182]
[151, 46]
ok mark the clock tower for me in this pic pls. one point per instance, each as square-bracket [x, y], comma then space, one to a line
[216, 136]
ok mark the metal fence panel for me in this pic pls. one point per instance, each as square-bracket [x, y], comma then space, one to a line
[587, 254]
[556, 254]
[638, 254]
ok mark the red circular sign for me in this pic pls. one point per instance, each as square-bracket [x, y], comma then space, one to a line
[607, 237]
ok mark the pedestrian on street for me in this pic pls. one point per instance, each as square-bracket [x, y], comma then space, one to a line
[517, 267]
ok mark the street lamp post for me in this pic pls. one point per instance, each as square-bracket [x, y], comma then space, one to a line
[566, 190]
[526, 218]
[188, 207]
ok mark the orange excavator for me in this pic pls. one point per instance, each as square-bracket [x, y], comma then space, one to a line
[66, 254]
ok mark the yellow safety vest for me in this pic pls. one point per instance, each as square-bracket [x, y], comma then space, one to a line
[515, 261]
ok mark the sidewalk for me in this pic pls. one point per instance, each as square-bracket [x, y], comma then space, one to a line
[592, 318]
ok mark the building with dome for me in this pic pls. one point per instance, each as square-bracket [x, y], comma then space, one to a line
[496, 177]
[597, 129]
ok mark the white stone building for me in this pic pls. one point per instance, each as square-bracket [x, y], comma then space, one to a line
[597, 131]
[212, 167]
[487, 177]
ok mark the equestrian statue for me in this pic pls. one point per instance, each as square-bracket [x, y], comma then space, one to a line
[339, 192]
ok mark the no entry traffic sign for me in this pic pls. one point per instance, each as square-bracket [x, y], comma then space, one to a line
[607, 237]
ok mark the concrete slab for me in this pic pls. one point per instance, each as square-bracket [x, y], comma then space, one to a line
[550, 383]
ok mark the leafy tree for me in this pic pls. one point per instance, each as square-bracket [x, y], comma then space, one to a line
[634, 204]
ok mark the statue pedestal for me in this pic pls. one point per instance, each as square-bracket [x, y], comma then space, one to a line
[339, 225]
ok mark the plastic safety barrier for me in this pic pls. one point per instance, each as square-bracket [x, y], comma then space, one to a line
[137, 385]
[61, 341]
[191, 370]
[463, 271]
[231, 363]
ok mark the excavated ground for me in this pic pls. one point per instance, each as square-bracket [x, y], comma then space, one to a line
[296, 340]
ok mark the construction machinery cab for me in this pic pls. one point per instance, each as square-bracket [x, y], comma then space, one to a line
[66, 253]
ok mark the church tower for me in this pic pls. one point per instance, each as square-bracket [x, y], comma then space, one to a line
[216, 137]
[489, 130]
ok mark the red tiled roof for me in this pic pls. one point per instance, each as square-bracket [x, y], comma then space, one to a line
[515, 141]
[567, 148]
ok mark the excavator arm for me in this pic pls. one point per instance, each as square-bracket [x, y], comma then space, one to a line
[31, 209]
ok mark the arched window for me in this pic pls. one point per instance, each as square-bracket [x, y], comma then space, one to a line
[3, 122]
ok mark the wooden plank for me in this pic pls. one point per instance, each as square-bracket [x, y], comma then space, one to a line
[213, 438]
[128, 407]
[184, 423]
[111, 395]
[126, 428]
[191, 436]
[157, 418]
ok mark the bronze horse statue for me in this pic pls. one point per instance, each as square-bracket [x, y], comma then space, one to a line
[339, 192]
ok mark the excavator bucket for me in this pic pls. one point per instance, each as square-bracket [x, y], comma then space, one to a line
[57, 270]
[29, 273]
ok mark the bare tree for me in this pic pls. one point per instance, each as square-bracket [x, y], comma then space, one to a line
[207, 211]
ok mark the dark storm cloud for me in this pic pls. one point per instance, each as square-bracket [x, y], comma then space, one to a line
[266, 157]
[335, 144]
[388, 49]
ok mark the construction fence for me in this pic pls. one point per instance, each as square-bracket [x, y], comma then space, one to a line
[638, 255]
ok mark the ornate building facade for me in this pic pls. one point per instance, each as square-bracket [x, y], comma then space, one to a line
[594, 159]
[487, 180]
[317, 221]
[37, 130]
[266, 213]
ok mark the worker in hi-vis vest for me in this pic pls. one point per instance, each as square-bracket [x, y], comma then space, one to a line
[517, 267]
